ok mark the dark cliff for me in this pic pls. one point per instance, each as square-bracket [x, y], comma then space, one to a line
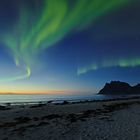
[117, 87]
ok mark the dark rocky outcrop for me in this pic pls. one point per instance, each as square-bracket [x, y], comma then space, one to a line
[117, 87]
[136, 89]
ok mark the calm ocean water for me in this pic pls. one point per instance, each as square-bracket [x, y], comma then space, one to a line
[55, 98]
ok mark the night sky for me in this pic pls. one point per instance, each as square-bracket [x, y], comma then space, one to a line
[68, 46]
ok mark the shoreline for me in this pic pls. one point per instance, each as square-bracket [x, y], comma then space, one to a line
[63, 102]
[105, 120]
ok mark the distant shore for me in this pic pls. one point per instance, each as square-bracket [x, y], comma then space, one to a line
[98, 120]
[59, 102]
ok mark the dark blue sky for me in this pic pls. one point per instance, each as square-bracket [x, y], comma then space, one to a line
[106, 49]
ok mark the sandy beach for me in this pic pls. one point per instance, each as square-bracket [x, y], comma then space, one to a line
[106, 120]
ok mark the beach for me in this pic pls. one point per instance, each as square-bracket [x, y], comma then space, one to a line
[100, 120]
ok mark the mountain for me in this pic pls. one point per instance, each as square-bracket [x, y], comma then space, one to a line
[117, 87]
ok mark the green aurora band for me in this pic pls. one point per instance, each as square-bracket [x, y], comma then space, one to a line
[47, 23]
[123, 63]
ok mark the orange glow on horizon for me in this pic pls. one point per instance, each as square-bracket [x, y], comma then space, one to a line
[21, 89]
[39, 92]
[33, 89]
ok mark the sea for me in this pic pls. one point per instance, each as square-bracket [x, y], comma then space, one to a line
[55, 98]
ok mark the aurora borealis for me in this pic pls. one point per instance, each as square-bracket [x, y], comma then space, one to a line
[49, 42]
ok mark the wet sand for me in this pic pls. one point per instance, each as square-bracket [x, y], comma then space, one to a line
[106, 120]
